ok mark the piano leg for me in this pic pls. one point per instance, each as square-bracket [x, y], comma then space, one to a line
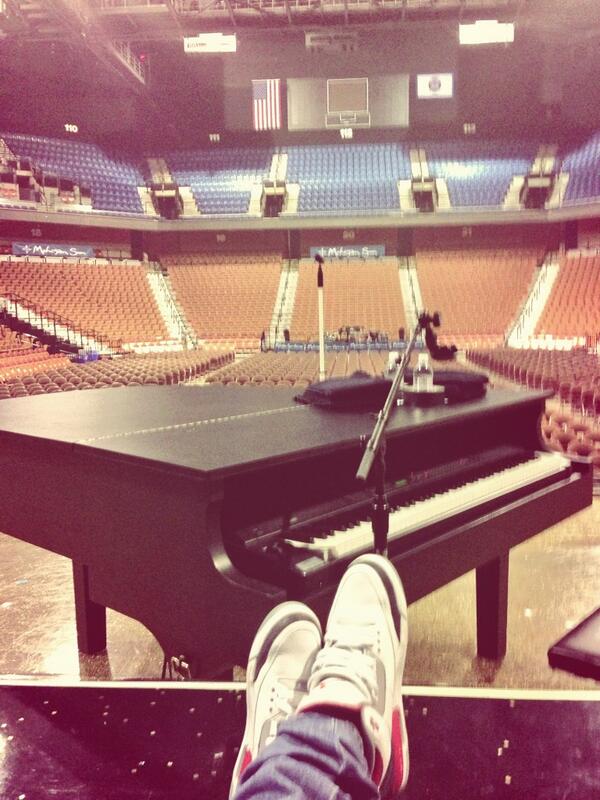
[492, 606]
[90, 616]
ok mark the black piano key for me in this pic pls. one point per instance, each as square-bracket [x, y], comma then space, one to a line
[350, 509]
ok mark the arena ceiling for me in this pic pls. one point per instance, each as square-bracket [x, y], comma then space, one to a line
[167, 19]
[115, 31]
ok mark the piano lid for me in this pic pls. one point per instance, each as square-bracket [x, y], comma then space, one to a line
[215, 429]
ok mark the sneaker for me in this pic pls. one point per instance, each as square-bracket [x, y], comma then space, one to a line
[360, 666]
[279, 665]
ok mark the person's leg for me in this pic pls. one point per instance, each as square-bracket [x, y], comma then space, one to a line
[315, 756]
[349, 738]
[359, 670]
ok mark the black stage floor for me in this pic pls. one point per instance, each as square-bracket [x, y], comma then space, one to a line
[161, 741]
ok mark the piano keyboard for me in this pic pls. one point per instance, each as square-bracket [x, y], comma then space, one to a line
[403, 520]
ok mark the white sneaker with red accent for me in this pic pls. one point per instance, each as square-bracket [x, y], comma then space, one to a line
[361, 664]
[279, 665]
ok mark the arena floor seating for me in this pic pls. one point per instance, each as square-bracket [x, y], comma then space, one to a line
[20, 359]
[61, 375]
[302, 368]
[572, 421]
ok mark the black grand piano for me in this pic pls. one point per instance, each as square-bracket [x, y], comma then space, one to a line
[197, 509]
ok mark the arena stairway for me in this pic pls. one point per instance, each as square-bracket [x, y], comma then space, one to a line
[53, 331]
[522, 333]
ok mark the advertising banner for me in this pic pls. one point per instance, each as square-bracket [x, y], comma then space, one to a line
[45, 250]
[349, 251]
[210, 43]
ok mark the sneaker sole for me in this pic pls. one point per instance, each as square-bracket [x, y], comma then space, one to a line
[398, 605]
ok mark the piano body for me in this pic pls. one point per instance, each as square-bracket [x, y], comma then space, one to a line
[197, 509]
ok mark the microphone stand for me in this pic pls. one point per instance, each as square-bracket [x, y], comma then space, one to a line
[319, 260]
[374, 453]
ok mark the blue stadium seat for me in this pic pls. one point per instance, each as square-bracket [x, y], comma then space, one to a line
[583, 166]
[83, 163]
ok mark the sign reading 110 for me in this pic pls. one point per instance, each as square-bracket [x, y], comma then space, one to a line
[71, 128]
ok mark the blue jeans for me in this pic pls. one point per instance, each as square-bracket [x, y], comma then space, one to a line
[313, 757]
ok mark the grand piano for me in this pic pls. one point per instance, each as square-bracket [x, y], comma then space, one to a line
[195, 510]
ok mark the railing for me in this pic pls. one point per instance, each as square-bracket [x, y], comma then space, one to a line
[311, 344]
[187, 6]
[278, 323]
[536, 287]
[411, 268]
[25, 310]
[186, 332]
[108, 5]
[54, 204]
[126, 54]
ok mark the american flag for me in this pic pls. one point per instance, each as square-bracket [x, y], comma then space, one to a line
[266, 104]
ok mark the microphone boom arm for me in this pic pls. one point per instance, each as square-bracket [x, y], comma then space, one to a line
[374, 444]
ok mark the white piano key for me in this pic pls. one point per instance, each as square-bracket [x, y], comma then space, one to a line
[359, 538]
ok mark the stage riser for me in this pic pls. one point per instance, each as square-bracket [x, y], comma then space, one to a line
[120, 742]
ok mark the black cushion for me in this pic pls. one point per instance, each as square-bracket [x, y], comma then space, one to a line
[362, 391]
[579, 650]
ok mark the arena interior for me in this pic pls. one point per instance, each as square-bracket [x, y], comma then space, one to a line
[171, 174]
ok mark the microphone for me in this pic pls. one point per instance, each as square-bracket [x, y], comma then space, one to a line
[436, 351]
[320, 261]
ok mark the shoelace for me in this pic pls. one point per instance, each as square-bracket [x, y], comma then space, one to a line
[288, 695]
[348, 654]
[286, 700]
